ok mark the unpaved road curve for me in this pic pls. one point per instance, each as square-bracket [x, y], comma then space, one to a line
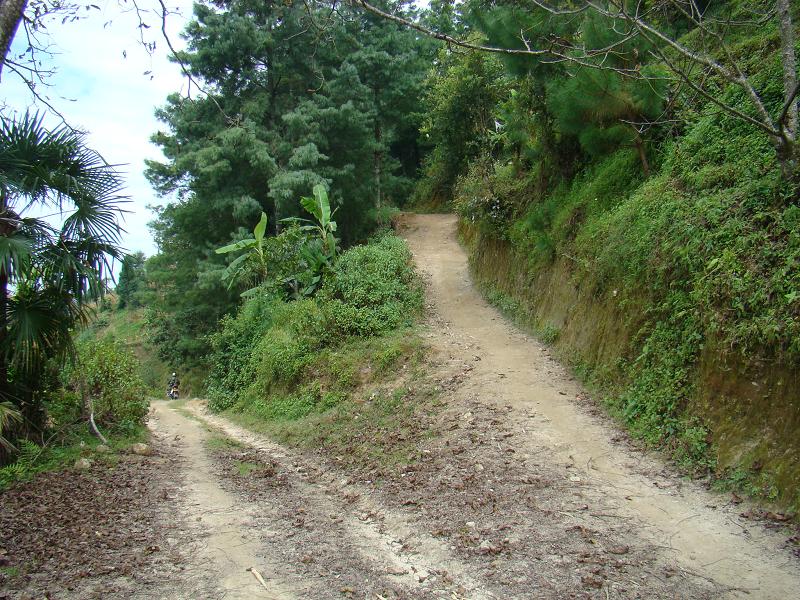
[513, 370]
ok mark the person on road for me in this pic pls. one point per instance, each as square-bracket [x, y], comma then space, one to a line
[173, 383]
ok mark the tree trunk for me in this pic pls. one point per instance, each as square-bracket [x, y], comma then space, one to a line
[4, 231]
[789, 60]
[87, 407]
[788, 121]
[11, 12]
[378, 166]
[4, 391]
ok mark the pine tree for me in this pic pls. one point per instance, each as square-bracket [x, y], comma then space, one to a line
[132, 281]
[603, 108]
[301, 96]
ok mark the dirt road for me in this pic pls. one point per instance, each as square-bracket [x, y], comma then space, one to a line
[519, 490]
[545, 411]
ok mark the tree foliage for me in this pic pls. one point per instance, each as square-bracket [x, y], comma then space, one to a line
[106, 377]
[300, 96]
[132, 281]
[49, 275]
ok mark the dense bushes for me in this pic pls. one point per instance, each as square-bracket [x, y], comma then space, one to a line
[262, 354]
[373, 290]
[104, 378]
[107, 376]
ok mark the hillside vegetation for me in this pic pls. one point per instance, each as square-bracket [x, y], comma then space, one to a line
[302, 368]
[626, 204]
[663, 262]
[637, 207]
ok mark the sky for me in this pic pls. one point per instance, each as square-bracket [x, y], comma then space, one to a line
[100, 86]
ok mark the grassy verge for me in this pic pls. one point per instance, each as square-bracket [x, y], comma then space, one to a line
[338, 370]
[365, 403]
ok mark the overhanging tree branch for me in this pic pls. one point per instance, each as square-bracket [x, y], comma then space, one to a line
[781, 129]
[11, 14]
[444, 37]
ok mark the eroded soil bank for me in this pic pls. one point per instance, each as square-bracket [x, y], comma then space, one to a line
[746, 403]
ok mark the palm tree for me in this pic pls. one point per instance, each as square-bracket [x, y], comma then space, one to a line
[8, 416]
[49, 274]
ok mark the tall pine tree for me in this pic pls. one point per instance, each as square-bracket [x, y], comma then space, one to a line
[300, 95]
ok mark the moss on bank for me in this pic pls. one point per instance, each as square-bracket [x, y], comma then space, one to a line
[680, 305]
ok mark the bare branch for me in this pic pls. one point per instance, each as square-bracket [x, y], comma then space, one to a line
[444, 37]
[149, 47]
[561, 12]
[713, 99]
[184, 68]
[29, 83]
[736, 76]
[791, 102]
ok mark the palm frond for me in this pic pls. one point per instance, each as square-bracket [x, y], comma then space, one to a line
[55, 168]
[54, 272]
[8, 415]
[40, 325]
[15, 255]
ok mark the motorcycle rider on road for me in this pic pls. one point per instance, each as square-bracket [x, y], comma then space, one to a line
[173, 383]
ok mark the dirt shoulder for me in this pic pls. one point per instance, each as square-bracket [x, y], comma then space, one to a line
[104, 532]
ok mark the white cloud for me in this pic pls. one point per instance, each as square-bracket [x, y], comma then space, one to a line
[102, 69]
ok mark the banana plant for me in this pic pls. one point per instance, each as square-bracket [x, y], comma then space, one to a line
[320, 252]
[298, 287]
[319, 207]
[253, 263]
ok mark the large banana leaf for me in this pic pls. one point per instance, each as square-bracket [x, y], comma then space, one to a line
[261, 228]
[236, 246]
[318, 205]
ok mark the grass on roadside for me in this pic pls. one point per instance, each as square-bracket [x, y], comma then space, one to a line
[222, 442]
[379, 428]
[364, 402]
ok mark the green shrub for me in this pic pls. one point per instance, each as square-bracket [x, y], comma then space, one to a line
[374, 289]
[108, 375]
[24, 466]
[264, 355]
[232, 346]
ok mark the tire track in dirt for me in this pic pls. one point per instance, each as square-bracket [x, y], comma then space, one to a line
[231, 545]
[510, 369]
[386, 542]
